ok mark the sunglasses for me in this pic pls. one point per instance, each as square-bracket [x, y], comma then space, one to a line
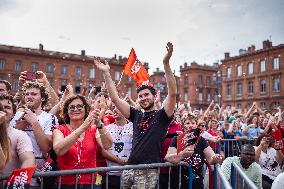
[201, 125]
[78, 107]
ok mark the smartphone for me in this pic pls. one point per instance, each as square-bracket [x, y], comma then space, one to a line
[31, 76]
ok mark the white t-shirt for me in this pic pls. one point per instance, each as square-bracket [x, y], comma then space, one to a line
[122, 143]
[20, 143]
[269, 165]
[278, 182]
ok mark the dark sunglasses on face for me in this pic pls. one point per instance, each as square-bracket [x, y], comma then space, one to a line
[78, 107]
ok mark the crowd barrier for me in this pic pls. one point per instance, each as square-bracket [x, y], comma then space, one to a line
[231, 147]
[239, 179]
[219, 180]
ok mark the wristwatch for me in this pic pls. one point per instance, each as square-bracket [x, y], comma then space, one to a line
[101, 125]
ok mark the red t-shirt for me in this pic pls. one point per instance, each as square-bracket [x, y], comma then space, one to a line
[172, 131]
[85, 150]
[213, 145]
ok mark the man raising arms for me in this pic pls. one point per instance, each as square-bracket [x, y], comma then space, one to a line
[149, 124]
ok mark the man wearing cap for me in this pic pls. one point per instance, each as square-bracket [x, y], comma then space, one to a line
[149, 124]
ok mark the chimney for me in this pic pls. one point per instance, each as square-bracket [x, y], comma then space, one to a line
[83, 52]
[227, 55]
[253, 48]
[242, 51]
[115, 56]
[249, 49]
[266, 44]
[41, 47]
[185, 64]
[119, 58]
[158, 70]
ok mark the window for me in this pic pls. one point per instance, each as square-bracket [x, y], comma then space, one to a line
[18, 66]
[262, 86]
[262, 66]
[185, 95]
[49, 68]
[34, 66]
[77, 87]
[276, 104]
[276, 63]
[262, 105]
[2, 64]
[200, 80]
[185, 80]
[129, 90]
[239, 106]
[208, 81]
[78, 71]
[92, 73]
[208, 95]
[276, 84]
[229, 91]
[15, 84]
[240, 70]
[229, 72]
[64, 70]
[117, 75]
[200, 94]
[250, 87]
[63, 85]
[239, 89]
[250, 68]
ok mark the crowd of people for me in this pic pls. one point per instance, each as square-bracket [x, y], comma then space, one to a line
[65, 131]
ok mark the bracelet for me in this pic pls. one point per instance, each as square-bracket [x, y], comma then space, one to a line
[104, 133]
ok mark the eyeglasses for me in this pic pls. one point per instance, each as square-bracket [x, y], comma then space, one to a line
[201, 125]
[78, 107]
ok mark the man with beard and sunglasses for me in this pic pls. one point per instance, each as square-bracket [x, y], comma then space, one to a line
[149, 124]
[247, 163]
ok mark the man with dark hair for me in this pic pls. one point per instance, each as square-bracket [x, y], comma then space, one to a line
[5, 87]
[149, 124]
[247, 163]
[36, 122]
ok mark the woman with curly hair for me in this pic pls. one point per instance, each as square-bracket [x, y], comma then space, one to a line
[76, 141]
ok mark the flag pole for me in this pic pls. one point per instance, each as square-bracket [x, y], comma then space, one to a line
[121, 75]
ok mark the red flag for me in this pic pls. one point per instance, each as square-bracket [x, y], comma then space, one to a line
[187, 138]
[20, 178]
[134, 69]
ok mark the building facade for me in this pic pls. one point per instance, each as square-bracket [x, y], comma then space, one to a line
[60, 68]
[158, 80]
[254, 75]
[199, 85]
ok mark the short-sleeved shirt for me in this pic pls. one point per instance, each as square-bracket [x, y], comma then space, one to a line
[149, 131]
[253, 172]
[197, 159]
[269, 164]
[81, 155]
[121, 143]
[20, 143]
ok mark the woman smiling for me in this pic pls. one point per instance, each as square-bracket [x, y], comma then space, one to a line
[76, 141]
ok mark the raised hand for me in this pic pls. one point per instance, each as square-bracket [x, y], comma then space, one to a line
[170, 49]
[104, 67]
[41, 77]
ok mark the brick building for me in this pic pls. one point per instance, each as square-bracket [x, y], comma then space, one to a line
[158, 79]
[254, 75]
[60, 68]
[199, 84]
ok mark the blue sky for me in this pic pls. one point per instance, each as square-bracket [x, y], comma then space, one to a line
[201, 30]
